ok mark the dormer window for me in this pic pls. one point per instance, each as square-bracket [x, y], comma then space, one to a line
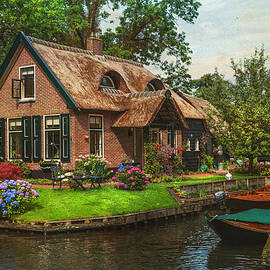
[27, 77]
[150, 87]
[107, 81]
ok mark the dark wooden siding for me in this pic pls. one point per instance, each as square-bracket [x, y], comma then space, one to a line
[191, 158]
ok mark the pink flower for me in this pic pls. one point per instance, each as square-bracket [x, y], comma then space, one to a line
[133, 184]
[114, 178]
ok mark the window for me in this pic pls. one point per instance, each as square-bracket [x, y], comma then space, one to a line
[174, 134]
[15, 138]
[107, 81]
[188, 145]
[150, 87]
[52, 137]
[197, 145]
[156, 135]
[27, 77]
[96, 134]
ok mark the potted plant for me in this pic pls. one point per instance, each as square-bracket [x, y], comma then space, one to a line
[45, 165]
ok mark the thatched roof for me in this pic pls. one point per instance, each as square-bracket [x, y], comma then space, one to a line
[77, 74]
[80, 72]
[146, 108]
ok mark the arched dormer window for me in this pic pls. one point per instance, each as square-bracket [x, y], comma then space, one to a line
[154, 85]
[107, 81]
[150, 87]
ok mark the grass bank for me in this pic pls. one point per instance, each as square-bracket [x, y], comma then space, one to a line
[107, 201]
[70, 204]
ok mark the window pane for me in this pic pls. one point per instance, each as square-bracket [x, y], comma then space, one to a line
[52, 122]
[96, 143]
[15, 125]
[52, 144]
[27, 74]
[15, 145]
[106, 81]
[95, 122]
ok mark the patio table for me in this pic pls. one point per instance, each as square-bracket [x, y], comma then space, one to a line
[79, 181]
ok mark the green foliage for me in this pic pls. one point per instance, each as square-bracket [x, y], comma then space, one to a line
[241, 120]
[85, 165]
[24, 166]
[265, 172]
[162, 159]
[47, 163]
[166, 178]
[146, 29]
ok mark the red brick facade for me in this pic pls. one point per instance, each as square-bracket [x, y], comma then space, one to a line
[118, 143]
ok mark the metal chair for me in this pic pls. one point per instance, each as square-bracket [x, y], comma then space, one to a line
[56, 176]
[97, 176]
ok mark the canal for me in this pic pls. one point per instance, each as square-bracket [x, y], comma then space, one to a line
[175, 244]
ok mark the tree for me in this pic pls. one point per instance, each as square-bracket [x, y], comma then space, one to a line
[147, 30]
[242, 125]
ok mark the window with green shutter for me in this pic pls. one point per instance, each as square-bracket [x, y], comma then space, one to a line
[2, 138]
[36, 133]
[26, 138]
[65, 137]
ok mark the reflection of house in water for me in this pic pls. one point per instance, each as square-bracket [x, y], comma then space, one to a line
[60, 102]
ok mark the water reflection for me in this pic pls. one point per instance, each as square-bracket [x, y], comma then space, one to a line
[181, 244]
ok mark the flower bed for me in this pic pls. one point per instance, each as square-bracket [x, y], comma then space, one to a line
[15, 197]
[131, 178]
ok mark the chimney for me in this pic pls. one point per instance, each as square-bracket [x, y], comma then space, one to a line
[94, 44]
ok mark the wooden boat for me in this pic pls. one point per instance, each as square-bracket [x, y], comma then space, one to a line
[247, 226]
[258, 198]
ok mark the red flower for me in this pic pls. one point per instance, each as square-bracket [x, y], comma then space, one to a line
[181, 149]
[157, 144]
[156, 147]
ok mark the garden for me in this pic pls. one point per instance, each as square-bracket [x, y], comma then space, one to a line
[129, 189]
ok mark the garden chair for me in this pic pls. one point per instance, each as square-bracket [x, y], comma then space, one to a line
[79, 180]
[56, 176]
[97, 176]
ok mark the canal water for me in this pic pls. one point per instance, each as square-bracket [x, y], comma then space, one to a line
[175, 244]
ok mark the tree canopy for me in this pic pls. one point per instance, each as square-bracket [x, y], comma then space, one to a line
[147, 30]
[243, 125]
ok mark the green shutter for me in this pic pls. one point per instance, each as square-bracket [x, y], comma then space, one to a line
[2, 138]
[36, 133]
[65, 137]
[26, 138]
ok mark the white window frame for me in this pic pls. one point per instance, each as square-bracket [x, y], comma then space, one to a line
[102, 124]
[188, 143]
[175, 134]
[23, 99]
[151, 86]
[44, 137]
[197, 145]
[8, 120]
[111, 80]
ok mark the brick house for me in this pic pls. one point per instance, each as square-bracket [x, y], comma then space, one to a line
[59, 102]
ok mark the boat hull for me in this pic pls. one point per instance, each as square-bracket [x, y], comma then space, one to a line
[236, 232]
[244, 204]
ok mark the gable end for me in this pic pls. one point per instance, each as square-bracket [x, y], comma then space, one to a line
[22, 38]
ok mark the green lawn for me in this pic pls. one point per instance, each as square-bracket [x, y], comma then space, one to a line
[70, 204]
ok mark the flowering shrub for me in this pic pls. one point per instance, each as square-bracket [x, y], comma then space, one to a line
[85, 165]
[162, 158]
[15, 196]
[9, 170]
[131, 178]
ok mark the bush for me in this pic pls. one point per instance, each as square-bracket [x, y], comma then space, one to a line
[131, 178]
[15, 197]
[9, 171]
[162, 158]
[24, 166]
[85, 165]
[166, 178]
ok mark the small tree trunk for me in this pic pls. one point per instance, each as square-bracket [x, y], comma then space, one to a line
[250, 169]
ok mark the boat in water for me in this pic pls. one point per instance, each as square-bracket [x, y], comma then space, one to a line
[258, 198]
[252, 225]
